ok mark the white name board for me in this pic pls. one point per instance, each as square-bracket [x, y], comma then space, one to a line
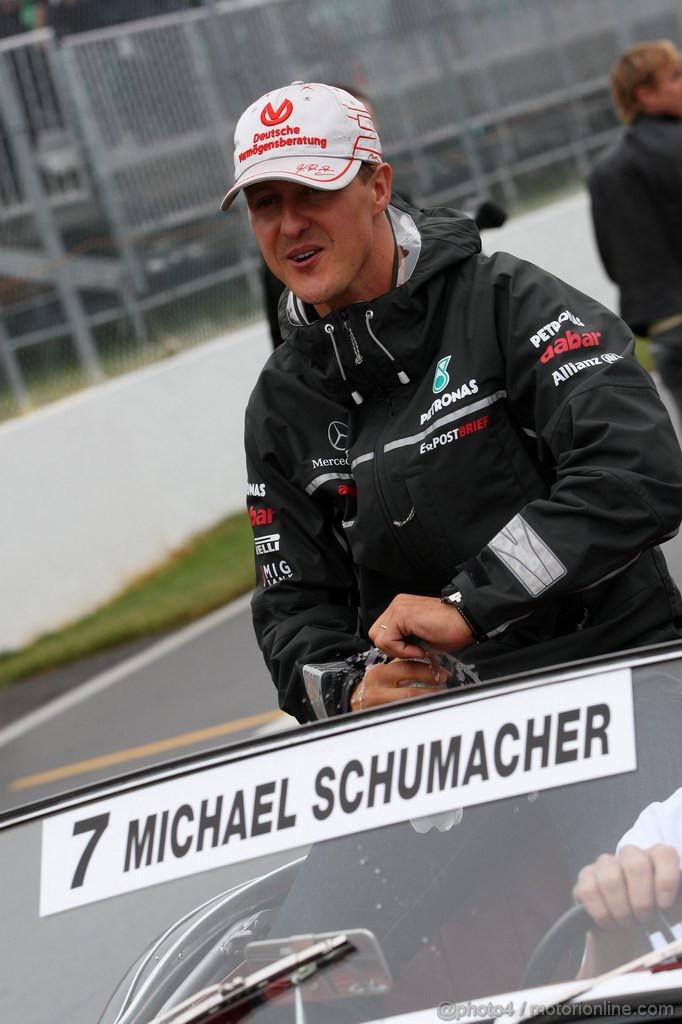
[494, 747]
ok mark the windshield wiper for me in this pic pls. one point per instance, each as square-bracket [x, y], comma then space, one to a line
[232, 1001]
[650, 959]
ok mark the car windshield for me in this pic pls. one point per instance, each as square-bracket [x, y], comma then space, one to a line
[443, 837]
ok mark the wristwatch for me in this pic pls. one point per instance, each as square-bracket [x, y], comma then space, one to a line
[329, 686]
[450, 595]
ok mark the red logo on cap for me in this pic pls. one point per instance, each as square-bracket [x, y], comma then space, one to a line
[270, 117]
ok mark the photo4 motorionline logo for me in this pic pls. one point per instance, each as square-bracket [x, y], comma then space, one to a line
[566, 1008]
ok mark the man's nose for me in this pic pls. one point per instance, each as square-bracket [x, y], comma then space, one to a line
[293, 219]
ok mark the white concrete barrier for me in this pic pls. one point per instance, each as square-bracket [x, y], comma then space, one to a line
[100, 487]
[560, 239]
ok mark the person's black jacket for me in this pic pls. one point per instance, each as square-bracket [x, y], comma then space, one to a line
[636, 196]
[506, 443]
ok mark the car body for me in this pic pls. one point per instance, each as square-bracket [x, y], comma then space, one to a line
[443, 835]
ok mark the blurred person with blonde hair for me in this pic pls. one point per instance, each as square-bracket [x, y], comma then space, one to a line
[636, 194]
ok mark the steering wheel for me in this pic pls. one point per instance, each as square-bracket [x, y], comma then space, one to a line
[572, 925]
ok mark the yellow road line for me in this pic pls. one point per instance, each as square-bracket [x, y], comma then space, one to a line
[134, 753]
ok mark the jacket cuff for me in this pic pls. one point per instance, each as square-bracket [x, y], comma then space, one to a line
[453, 595]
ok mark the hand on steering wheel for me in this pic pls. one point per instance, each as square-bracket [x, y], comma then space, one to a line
[621, 899]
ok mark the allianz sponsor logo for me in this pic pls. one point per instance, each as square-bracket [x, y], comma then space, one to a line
[449, 398]
[553, 327]
[334, 461]
[569, 370]
[266, 545]
[255, 490]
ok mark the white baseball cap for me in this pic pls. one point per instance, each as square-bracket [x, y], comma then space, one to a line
[306, 132]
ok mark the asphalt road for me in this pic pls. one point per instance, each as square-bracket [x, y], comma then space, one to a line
[195, 689]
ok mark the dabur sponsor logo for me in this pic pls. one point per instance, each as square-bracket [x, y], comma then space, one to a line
[449, 398]
[570, 342]
[261, 516]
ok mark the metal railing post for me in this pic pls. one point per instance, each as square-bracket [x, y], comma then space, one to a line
[471, 32]
[578, 120]
[11, 367]
[68, 77]
[18, 138]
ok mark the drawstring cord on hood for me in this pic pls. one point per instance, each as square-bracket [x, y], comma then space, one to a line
[369, 315]
[356, 396]
[353, 340]
[402, 376]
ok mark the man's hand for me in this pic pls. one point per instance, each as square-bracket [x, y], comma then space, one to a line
[439, 625]
[385, 684]
[621, 892]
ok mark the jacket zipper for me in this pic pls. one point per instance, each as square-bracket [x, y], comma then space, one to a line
[359, 360]
[407, 550]
[378, 451]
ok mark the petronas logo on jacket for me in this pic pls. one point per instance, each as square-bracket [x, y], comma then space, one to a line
[442, 377]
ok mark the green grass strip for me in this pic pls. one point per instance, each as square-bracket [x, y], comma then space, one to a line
[643, 352]
[212, 570]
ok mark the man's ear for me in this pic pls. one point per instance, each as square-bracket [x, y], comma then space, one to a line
[381, 186]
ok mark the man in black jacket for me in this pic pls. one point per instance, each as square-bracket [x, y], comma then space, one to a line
[636, 193]
[451, 447]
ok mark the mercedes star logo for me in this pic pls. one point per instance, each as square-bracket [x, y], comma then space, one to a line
[338, 435]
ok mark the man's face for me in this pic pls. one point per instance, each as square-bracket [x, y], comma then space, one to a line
[329, 248]
[665, 95]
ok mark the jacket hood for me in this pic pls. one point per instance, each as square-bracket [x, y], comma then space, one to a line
[394, 335]
[656, 134]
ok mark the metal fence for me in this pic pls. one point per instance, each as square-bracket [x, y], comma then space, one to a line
[115, 151]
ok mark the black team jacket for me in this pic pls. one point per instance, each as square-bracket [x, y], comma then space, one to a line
[484, 429]
[636, 196]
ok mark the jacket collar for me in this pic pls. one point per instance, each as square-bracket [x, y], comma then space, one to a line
[378, 346]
